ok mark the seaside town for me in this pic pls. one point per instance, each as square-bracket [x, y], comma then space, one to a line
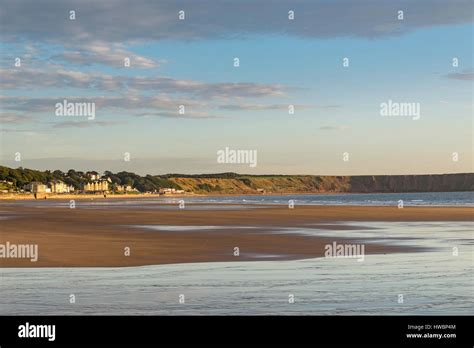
[91, 182]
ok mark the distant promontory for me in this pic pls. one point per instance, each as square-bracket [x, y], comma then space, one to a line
[17, 180]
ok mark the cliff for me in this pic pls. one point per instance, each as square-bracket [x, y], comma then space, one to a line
[247, 184]
[232, 183]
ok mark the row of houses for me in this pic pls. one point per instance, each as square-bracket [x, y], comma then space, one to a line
[98, 185]
[61, 187]
[52, 187]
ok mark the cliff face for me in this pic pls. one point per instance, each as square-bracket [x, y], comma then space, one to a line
[232, 183]
[326, 184]
[412, 183]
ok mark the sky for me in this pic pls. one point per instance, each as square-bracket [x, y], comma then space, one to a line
[422, 56]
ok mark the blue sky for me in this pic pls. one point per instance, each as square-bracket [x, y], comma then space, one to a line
[281, 63]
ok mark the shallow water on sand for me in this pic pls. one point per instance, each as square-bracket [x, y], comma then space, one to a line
[434, 282]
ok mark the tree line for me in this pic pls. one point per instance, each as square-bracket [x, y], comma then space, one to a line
[23, 176]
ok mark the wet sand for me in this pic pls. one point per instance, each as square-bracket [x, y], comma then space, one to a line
[98, 237]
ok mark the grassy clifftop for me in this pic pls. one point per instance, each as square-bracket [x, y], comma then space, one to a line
[325, 184]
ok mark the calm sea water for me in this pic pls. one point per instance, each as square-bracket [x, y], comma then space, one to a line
[247, 202]
[437, 281]
[423, 198]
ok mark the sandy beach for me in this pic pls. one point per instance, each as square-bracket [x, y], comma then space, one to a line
[98, 237]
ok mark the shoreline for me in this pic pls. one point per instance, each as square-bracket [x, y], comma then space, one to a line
[97, 237]
[50, 196]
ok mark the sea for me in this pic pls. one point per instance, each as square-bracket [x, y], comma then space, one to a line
[439, 280]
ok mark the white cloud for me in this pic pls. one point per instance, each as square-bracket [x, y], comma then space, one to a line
[106, 54]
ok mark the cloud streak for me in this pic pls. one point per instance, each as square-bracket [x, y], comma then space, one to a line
[13, 118]
[175, 115]
[334, 128]
[86, 124]
[126, 103]
[62, 78]
[263, 107]
[462, 76]
[100, 53]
